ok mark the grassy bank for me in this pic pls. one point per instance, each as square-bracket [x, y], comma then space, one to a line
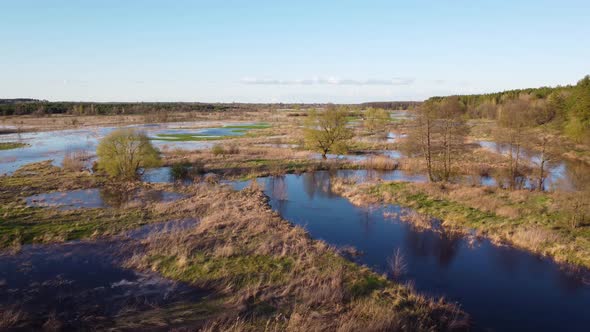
[269, 275]
[232, 161]
[553, 224]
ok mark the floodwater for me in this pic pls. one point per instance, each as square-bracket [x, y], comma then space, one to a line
[502, 288]
[99, 198]
[562, 174]
[82, 285]
[55, 145]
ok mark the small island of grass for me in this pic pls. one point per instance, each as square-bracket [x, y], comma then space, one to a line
[12, 145]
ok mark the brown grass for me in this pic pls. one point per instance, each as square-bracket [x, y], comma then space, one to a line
[382, 163]
[303, 284]
[535, 238]
[75, 161]
[9, 317]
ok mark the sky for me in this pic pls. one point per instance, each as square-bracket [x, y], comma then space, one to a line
[339, 51]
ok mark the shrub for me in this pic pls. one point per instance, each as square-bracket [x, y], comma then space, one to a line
[124, 152]
[217, 150]
[186, 170]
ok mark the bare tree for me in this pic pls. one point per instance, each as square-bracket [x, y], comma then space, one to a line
[420, 138]
[513, 118]
[451, 131]
[437, 134]
[544, 157]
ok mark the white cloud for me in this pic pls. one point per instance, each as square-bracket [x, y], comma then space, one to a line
[328, 81]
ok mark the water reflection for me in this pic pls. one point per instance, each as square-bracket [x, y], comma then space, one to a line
[83, 286]
[501, 287]
[562, 174]
[100, 198]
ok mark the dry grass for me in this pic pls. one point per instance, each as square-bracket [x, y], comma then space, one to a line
[273, 276]
[249, 161]
[9, 317]
[382, 163]
[418, 220]
[535, 238]
[75, 161]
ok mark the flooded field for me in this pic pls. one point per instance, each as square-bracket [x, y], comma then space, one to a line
[99, 198]
[562, 174]
[83, 284]
[504, 289]
[55, 145]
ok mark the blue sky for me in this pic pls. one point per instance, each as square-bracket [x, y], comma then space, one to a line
[287, 51]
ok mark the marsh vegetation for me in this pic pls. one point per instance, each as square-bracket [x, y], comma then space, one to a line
[303, 217]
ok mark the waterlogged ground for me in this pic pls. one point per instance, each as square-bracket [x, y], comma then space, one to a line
[504, 289]
[99, 198]
[82, 285]
[55, 144]
[562, 174]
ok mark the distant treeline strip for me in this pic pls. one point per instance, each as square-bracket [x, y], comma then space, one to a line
[36, 107]
[392, 105]
[25, 106]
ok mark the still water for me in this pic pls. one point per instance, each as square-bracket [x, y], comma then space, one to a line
[82, 285]
[502, 288]
[55, 144]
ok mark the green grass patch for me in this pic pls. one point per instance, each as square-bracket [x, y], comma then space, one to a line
[366, 284]
[22, 225]
[184, 137]
[188, 137]
[12, 145]
[241, 270]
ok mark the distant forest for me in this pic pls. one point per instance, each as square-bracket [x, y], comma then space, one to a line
[25, 106]
[43, 107]
[566, 108]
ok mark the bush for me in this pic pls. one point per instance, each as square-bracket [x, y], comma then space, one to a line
[217, 150]
[186, 170]
[124, 152]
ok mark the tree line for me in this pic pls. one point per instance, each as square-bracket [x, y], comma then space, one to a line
[41, 108]
[566, 108]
